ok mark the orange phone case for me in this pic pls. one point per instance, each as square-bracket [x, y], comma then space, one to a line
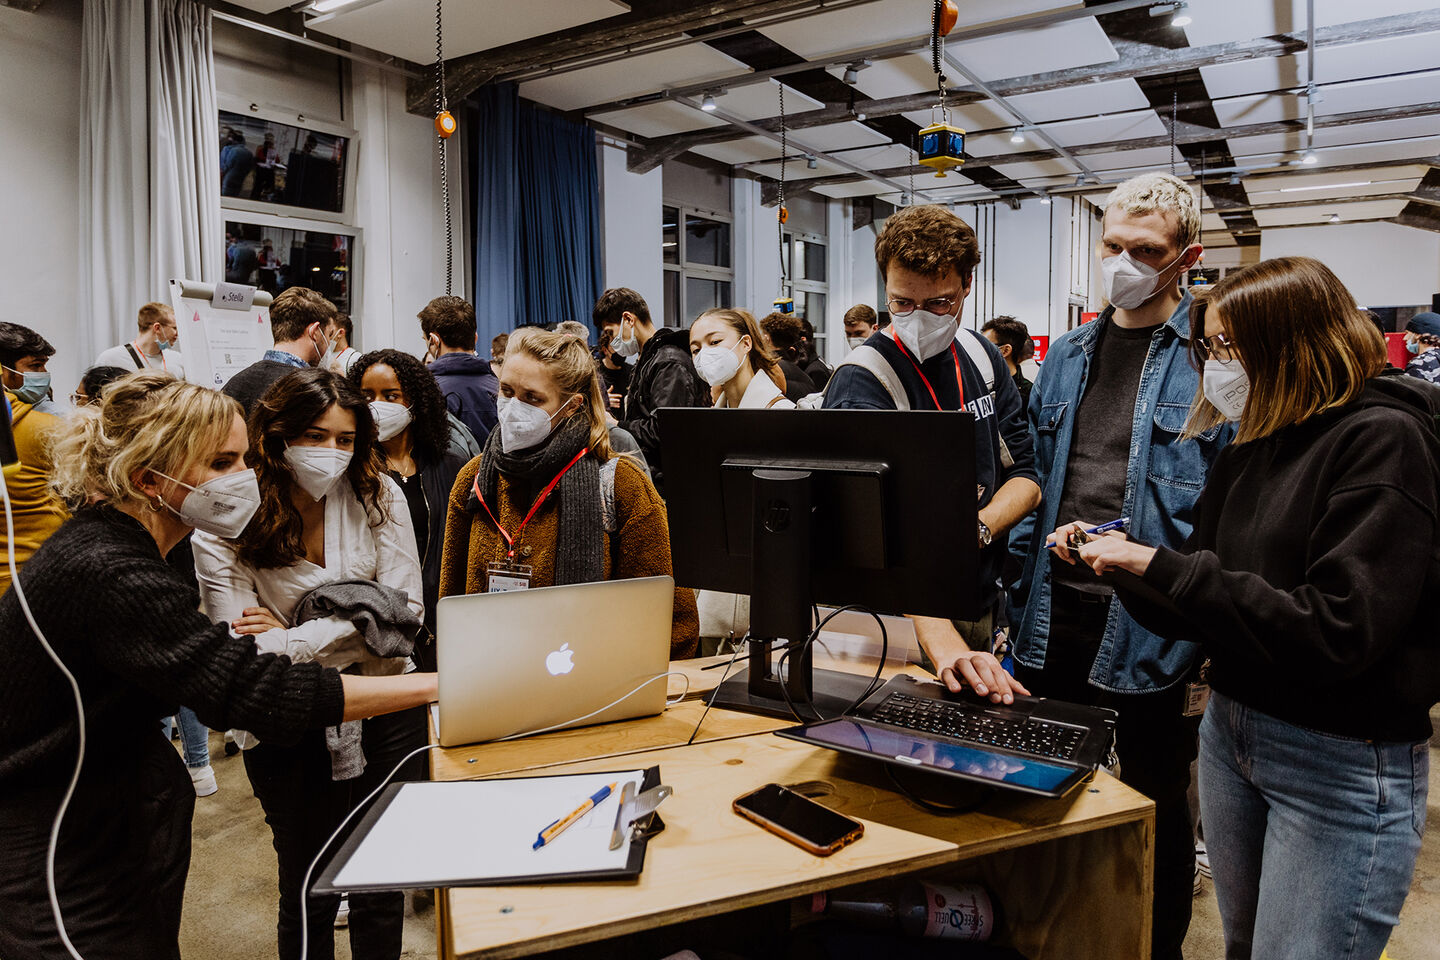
[784, 833]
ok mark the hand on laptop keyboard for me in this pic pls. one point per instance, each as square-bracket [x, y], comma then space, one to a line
[979, 671]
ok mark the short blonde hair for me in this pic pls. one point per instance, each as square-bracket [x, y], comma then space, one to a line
[145, 421]
[151, 314]
[569, 362]
[1162, 193]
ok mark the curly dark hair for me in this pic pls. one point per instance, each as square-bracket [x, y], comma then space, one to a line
[275, 537]
[429, 425]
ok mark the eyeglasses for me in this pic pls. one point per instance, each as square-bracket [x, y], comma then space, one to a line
[901, 307]
[1220, 347]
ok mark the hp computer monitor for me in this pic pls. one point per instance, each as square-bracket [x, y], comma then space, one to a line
[797, 507]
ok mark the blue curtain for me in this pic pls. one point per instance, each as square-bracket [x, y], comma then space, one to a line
[537, 215]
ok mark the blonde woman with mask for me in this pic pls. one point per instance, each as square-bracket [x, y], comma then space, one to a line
[549, 493]
[731, 355]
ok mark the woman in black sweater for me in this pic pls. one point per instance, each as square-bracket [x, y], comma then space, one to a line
[414, 432]
[1313, 554]
[157, 459]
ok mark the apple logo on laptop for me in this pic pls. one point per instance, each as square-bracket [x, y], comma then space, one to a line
[560, 661]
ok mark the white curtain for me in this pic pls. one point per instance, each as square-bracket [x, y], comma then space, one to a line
[149, 160]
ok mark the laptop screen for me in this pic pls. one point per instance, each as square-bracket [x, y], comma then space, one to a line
[847, 734]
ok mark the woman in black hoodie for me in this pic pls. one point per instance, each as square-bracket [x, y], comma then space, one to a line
[1306, 578]
[409, 413]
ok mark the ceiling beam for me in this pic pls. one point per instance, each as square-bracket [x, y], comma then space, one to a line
[622, 33]
[28, 6]
[1136, 61]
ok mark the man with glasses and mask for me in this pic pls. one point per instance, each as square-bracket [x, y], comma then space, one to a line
[298, 320]
[1107, 415]
[927, 257]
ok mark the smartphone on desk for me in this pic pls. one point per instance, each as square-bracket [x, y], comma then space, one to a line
[810, 826]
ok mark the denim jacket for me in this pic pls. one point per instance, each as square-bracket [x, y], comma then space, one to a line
[1162, 482]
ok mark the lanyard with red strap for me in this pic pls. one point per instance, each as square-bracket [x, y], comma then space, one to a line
[510, 540]
[146, 360]
[923, 379]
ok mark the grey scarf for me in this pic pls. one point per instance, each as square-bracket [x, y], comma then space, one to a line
[580, 542]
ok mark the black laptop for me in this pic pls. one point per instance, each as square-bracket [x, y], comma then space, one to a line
[1035, 746]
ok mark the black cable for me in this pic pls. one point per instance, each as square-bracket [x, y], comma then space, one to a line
[440, 107]
[944, 809]
[711, 702]
[810, 641]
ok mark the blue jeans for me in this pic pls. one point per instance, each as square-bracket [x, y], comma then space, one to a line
[1312, 837]
[194, 737]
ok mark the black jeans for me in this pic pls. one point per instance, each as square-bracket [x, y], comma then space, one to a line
[121, 863]
[303, 806]
[1154, 741]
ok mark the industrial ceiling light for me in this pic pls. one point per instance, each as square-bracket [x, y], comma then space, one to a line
[852, 72]
[1309, 159]
[1327, 186]
[1234, 179]
[1018, 136]
[1045, 199]
[1182, 16]
[1080, 180]
[707, 102]
[326, 6]
[811, 162]
[1334, 218]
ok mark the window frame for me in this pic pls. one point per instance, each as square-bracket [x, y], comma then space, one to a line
[796, 288]
[682, 268]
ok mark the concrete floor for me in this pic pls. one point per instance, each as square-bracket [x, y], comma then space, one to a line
[230, 897]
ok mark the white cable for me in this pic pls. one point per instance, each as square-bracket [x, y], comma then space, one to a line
[305, 883]
[620, 699]
[80, 718]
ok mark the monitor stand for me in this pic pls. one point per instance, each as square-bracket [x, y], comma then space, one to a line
[780, 607]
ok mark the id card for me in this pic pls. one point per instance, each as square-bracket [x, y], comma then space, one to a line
[504, 578]
[1197, 695]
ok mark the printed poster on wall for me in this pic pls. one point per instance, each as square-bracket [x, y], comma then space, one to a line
[224, 328]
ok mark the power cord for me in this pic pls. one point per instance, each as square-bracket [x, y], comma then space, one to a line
[621, 699]
[80, 722]
[810, 641]
[711, 702]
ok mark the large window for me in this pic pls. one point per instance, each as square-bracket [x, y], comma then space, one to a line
[695, 254]
[263, 253]
[807, 265]
[284, 164]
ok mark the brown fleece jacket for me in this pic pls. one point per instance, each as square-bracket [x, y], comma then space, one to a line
[640, 548]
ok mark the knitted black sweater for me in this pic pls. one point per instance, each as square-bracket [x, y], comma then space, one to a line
[130, 630]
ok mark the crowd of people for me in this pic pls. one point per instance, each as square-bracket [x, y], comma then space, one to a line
[266, 560]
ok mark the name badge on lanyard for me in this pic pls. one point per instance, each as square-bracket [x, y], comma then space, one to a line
[502, 577]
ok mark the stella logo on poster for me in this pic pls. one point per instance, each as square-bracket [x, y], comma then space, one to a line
[560, 661]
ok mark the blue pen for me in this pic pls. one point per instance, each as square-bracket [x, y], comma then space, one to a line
[549, 834]
[1103, 528]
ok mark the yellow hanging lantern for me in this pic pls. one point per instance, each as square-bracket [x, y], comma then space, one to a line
[941, 145]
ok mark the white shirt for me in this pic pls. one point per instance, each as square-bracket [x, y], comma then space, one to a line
[354, 550]
[168, 361]
[345, 359]
[760, 395]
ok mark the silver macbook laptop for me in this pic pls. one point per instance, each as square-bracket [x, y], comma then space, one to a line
[552, 657]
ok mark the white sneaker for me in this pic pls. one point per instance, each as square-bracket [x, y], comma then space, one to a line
[203, 779]
[1202, 859]
[342, 916]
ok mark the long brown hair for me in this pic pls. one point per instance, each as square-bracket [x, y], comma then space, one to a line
[569, 362]
[275, 537]
[744, 323]
[1304, 344]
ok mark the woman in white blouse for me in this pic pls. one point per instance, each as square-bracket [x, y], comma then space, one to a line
[328, 513]
[731, 354]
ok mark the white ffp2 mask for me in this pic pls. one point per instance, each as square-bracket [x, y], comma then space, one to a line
[390, 418]
[926, 334]
[221, 506]
[317, 469]
[1130, 283]
[717, 365]
[522, 426]
[1226, 387]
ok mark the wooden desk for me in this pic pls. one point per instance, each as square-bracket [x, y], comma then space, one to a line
[1074, 876]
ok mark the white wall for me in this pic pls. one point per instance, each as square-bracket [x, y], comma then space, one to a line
[1383, 264]
[630, 211]
[40, 115]
[757, 257]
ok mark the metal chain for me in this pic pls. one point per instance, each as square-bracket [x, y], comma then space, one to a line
[440, 107]
[937, 49]
[779, 215]
[1174, 115]
[911, 199]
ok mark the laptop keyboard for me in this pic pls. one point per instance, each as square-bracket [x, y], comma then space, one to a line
[1040, 738]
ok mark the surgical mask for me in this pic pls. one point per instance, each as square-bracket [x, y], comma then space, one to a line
[35, 388]
[523, 426]
[390, 418]
[317, 469]
[1226, 387]
[1129, 283]
[623, 347]
[221, 506]
[717, 365]
[1412, 345]
[853, 342]
[327, 355]
[926, 334]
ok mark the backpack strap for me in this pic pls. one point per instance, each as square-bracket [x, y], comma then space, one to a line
[975, 349]
[868, 358]
[134, 355]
